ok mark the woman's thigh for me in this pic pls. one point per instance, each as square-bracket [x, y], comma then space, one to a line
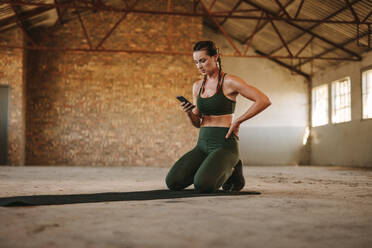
[215, 170]
[181, 175]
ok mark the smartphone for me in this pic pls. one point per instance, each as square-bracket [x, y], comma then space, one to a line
[182, 99]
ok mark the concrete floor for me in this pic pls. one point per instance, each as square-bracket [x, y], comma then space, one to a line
[297, 207]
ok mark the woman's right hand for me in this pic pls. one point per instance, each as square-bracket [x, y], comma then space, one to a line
[187, 106]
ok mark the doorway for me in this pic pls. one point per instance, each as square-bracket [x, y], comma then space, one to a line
[4, 113]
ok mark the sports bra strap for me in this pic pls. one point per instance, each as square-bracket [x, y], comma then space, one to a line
[223, 79]
[218, 85]
[201, 87]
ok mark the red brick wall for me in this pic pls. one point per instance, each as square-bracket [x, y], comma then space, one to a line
[111, 108]
[11, 74]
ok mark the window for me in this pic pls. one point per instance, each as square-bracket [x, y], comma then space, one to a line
[341, 101]
[367, 94]
[320, 105]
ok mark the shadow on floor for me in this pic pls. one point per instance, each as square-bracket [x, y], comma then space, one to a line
[37, 200]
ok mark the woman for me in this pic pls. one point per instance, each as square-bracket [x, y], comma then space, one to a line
[214, 161]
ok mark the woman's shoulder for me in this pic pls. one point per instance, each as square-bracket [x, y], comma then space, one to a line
[197, 84]
[231, 79]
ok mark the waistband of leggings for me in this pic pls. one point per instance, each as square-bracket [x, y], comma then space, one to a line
[213, 132]
[215, 129]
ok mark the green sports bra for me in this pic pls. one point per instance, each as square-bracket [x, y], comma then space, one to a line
[218, 104]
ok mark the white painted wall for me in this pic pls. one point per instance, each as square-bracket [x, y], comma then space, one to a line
[275, 136]
[350, 143]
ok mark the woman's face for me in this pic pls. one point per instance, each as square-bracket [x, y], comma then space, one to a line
[206, 64]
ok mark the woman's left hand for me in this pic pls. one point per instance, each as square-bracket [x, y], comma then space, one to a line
[234, 128]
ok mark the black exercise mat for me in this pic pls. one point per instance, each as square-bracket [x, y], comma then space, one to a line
[37, 200]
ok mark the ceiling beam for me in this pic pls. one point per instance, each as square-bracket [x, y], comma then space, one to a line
[34, 12]
[227, 36]
[212, 4]
[307, 43]
[249, 42]
[312, 27]
[352, 10]
[307, 76]
[59, 12]
[266, 22]
[115, 26]
[83, 27]
[21, 23]
[104, 7]
[232, 11]
[143, 51]
[299, 8]
[269, 12]
[283, 9]
[365, 19]
[332, 49]
[280, 37]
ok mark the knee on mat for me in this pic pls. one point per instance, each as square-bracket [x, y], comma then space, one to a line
[172, 184]
[204, 185]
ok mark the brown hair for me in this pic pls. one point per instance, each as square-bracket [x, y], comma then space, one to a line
[211, 50]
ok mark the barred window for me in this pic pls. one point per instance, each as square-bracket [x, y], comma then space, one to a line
[341, 100]
[319, 105]
[367, 94]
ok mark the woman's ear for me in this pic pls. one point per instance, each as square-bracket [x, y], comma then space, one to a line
[215, 57]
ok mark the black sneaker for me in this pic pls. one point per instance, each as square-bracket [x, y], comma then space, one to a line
[236, 181]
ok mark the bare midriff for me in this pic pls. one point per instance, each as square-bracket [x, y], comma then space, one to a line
[216, 120]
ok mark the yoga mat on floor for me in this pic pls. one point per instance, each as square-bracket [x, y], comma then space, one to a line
[38, 200]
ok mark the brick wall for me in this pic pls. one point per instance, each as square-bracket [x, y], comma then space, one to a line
[112, 108]
[11, 74]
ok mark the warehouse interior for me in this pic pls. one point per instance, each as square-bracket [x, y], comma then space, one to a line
[90, 124]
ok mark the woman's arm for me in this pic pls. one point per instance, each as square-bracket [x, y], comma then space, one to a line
[193, 112]
[261, 102]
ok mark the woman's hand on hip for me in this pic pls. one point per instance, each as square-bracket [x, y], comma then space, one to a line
[234, 129]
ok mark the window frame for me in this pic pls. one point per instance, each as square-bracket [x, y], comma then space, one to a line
[362, 70]
[312, 105]
[333, 98]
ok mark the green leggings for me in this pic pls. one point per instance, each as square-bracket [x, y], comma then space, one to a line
[208, 165]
